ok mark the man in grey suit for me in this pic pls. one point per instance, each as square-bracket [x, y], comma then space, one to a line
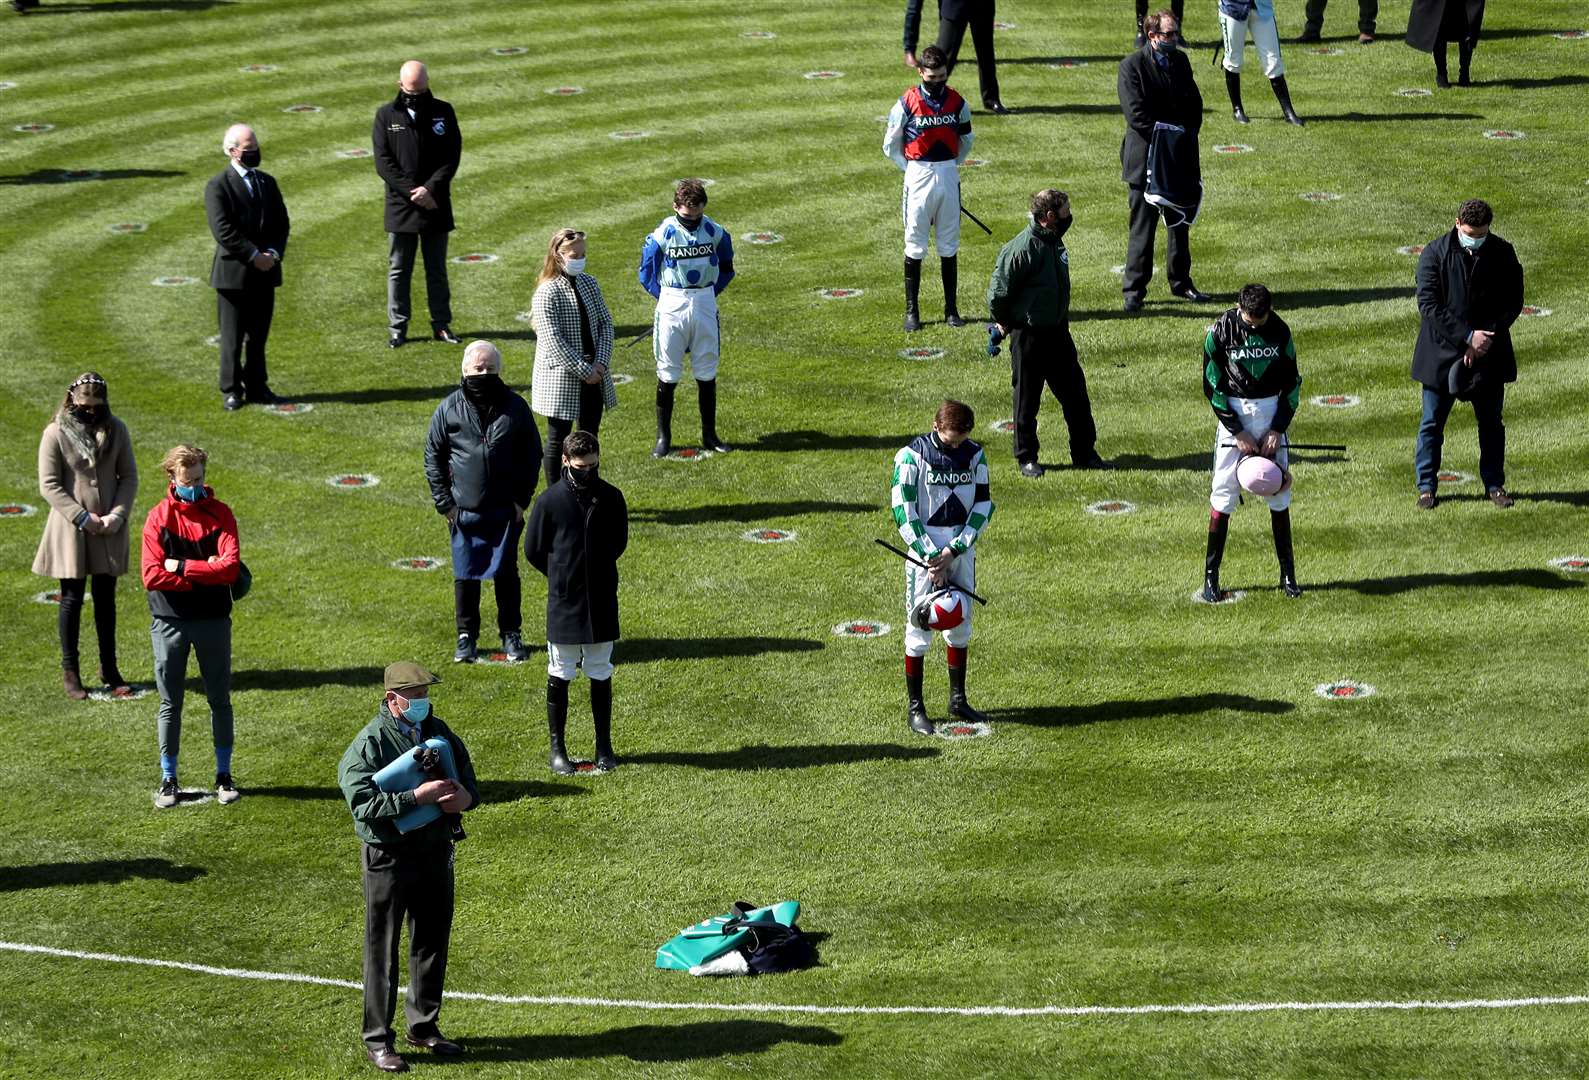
[249, 221]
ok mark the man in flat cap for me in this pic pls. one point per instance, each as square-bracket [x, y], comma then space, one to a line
[407, 868]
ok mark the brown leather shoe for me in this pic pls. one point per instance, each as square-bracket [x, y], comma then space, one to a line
[1500, 498]
[436, 1044]
[1427, 500]
[387, 1060]
[74, 685]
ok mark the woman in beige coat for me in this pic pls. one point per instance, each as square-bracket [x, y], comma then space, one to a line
[88, 476]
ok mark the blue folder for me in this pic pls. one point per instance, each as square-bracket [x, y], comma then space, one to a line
[404, 774]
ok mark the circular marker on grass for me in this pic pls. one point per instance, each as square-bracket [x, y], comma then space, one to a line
[1319, 196]
[1504, 135]
[962, 729]
[1067, 64]
[173, 281]
[352, 481]
[48, 596]
[821, 75]
[861, 628]
[1410, 249]
[8, 86]
[1325, 50]
[769, 536]
[1570, 35]
[761, 238]
[1343, 690]
[354, 153]
[688, 453]
[419, 564]
[1111, 507]
[1336, 401]
[127, 228]
[1233, 148]
[288, 408]
[1413, 91]
[189, 796]
[840, 294]
[620, 378]
[1535, 312]
[703, 181]
[628, 135]
[17, 510]
[1451, 476]
[510, 50]
[34, 129]
[1003, 427]
[133, 692]
[496, 658]
[1230, 596]
[257, 69]
[565, 91]
[1572, 564]
[920, 354]
[303, 109]
[474, 258]
[759, 35]
[975, 163]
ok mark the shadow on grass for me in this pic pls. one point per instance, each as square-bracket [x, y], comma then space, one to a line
[644, 650]
[375, 395]
[1377, 118]
[1475, 579]
[653, 1042]
[1322, 298]
[1078, 109]
[115, 7]
[1197, 462]
[1537, 84]
[1567, 498]
[1112, 58]
[93, 872]
[1175, 309]
[368, 678]
[1187, 705]
[805, 441]
[754, 758]
[57, 176]
[758, 513]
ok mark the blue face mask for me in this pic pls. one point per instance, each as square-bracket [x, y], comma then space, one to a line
[190, 494]
[1165, 47]
[417, 710]
[1472, 243]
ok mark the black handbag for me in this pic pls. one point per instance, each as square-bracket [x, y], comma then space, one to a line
[244, 582]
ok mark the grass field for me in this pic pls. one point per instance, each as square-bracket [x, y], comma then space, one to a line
[1167, 813]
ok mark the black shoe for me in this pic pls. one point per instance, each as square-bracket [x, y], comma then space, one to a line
[436, 1043]
[958, 705]
[952, 318]
[1427, 500]
[1093, 462]
[1031, 469]
[396, 341]
[387, 1060]
[1307, 37]
[1192, 293]
[446, 335]
[1288, 583]
[663, 447]
[912, 321]
[1293, 118]
[917, 706]
[996, 108]
[513, 646]
[1132, 305]
[465, 652]
[232, 402]
[1212, 593]
[263, 397]
[714, 442]
[1240, 116]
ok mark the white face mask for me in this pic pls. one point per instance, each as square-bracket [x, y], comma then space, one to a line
[573, 266]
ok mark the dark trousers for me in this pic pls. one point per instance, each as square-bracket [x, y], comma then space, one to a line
[1487, 404]
[433, 243]
[591, 401]
[1142, 11]
[950, 36]
[173, 640]
[1367, 13]
[466, 593]
[1139, 248]
[416, 888]
[1046, 356]
[70, 620]
[244, 315]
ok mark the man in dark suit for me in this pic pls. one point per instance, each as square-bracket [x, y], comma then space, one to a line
[953, 18]
[1470, 291]
[249, 221]
[1156, 86]
[417, 147]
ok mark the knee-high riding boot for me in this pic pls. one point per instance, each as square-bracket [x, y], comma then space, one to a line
[1465, 61]
[706, 390]
[912, 293]
[557, 724]
[958, 705]
[950, 267]
[1233, 88]
[1218, 529]
[1442, 73]
[919, 723]
[1280, 522]
[665, 392]
[1283, 95]
[601, 713]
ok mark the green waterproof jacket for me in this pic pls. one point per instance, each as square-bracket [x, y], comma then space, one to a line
[382, 742]
[1031, 281]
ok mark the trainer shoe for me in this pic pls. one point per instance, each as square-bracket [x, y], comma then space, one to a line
[166, 797]
[465, 652]
[225, 790]
[513, 645]
[1500, 498]
[1427, 500]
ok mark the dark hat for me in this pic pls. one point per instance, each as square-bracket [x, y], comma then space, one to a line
[1462, 380]
[406, 673]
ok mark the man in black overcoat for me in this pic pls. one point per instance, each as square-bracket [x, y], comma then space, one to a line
[417, 147]
[1155, 86]
[578, 529]
[1470, 291]
[1433, 23]
[954, 18]
[249, 221]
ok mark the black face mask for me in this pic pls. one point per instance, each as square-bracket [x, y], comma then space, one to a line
[412, 101]
[1062, 224]
[249, 159]
[482, 387]
[580, 479]
[87, 415]
[690, 223]
[933, 90]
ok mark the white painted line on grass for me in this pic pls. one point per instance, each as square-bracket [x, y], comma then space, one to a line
[1189, 1009]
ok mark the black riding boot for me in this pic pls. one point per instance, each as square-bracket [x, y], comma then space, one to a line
[1218, 528]
[958, 705]
[1233, 88]
[1280, 522]
[950, 268]
[1465, 62]
[1283, 95]
[706, 390]
[918, 705]
[1442, 73]
[665, 392]
[912, 293]
[557, 724]
[601, 713]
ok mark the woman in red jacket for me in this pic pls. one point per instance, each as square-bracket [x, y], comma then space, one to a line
[190, 561]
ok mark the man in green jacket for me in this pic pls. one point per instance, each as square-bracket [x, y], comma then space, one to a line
[405, 874]
[1029, 298]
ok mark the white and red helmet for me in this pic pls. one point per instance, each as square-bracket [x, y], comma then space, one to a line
[941, 609]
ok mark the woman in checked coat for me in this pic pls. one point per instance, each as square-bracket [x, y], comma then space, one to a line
[573, 347]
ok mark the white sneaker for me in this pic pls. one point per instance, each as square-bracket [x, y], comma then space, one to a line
[166, 797]
[225, 790]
